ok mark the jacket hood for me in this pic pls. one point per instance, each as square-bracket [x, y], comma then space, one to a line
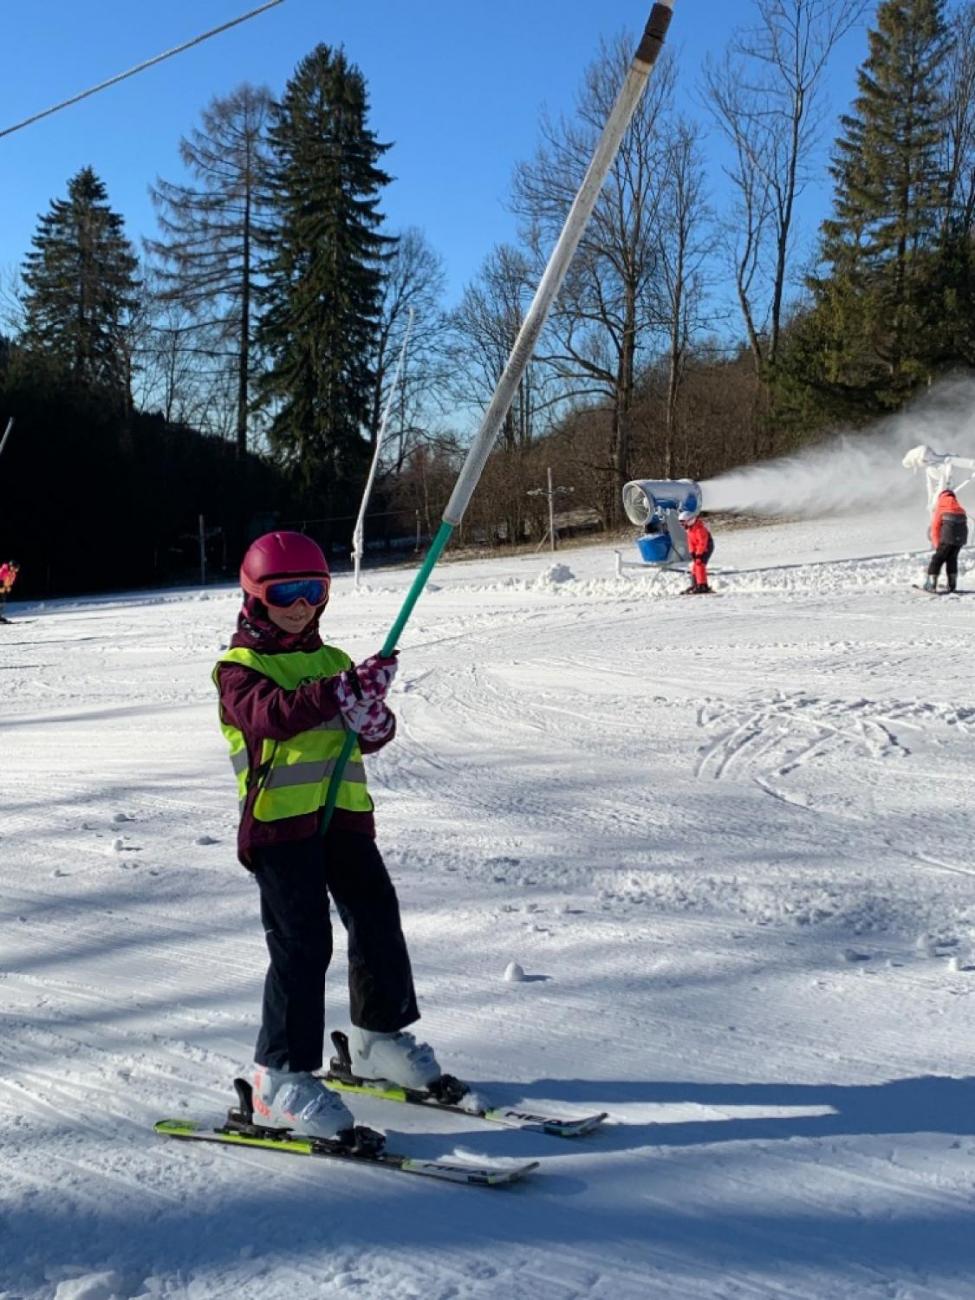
[256, 631]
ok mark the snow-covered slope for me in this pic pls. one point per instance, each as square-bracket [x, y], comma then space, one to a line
[729, 840]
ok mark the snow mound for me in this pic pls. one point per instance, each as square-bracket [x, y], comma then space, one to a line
[554, 575]
[96, 1286]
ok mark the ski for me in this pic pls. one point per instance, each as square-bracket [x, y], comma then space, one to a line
[474, 1175]
[448, 1094]
[363, 1147]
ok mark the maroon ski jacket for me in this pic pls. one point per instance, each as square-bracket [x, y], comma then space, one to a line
[260, 708]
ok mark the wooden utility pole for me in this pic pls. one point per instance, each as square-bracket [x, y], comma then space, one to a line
[550, 492]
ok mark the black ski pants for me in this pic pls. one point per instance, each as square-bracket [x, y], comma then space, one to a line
[947, 555]
[295, 881]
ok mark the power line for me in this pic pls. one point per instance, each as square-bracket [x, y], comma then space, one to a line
[197, 40]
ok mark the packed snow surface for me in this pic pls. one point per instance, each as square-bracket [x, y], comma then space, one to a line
[728, 841]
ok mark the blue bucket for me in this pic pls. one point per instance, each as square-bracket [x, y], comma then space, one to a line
[654, 549]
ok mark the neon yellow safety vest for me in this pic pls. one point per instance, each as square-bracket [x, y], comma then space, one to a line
[293, 775]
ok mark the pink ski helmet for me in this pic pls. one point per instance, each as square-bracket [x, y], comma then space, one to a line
[278, 556]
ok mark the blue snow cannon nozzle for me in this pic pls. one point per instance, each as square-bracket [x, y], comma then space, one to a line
[655, 549]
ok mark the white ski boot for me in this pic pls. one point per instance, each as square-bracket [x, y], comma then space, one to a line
[299, 1101]
[396, 1057]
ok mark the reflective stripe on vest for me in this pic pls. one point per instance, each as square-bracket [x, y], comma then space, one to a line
[293, 775]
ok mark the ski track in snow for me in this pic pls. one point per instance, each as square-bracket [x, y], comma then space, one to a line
[728, 841]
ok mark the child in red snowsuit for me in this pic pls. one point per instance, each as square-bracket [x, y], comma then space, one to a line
[8, 576]
[700, 545]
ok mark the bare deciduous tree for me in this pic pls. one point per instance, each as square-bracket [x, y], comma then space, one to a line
[766, 97]
[610, 303]
[484, 327]
[685, 242]
[413, 283]
[959, 162]
[207, 253]
[12, 319]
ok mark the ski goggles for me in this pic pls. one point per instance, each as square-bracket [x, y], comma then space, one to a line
[314, 591]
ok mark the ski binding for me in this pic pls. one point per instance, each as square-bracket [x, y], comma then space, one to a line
[450, 1094]
[355, 1146]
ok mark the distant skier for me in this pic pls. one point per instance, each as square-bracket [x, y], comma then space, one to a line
[286, 703]
[949, 533]
[700, 546]
[8, 576]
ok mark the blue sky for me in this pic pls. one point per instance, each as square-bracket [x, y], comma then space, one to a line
[456, 85]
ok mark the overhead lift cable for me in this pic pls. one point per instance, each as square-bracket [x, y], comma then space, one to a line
[197, 40]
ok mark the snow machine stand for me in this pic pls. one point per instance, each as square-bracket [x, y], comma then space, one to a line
[938, 467]
[653, 505]
[607, 148]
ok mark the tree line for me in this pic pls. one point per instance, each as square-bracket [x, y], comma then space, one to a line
[237, 367]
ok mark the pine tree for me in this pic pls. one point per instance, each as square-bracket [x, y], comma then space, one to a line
[324, 271]
[210, 230]
[82, 288]
[883, 244]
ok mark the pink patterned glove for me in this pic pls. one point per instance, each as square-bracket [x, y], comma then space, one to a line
[371, 679]
[378, 724]
[371, 721]
[359, 693]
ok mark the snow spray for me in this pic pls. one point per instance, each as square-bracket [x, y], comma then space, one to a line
[851, 471]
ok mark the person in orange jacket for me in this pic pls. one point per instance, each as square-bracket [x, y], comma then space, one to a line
[949, 533]
[700, 545]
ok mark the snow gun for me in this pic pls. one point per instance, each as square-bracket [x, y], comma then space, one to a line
[939, 468]
[607, 147]
[653, 505]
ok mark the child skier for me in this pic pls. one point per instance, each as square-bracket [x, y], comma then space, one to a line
[8, 576]
[700, 545]
[949, 533]
[286, 701]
